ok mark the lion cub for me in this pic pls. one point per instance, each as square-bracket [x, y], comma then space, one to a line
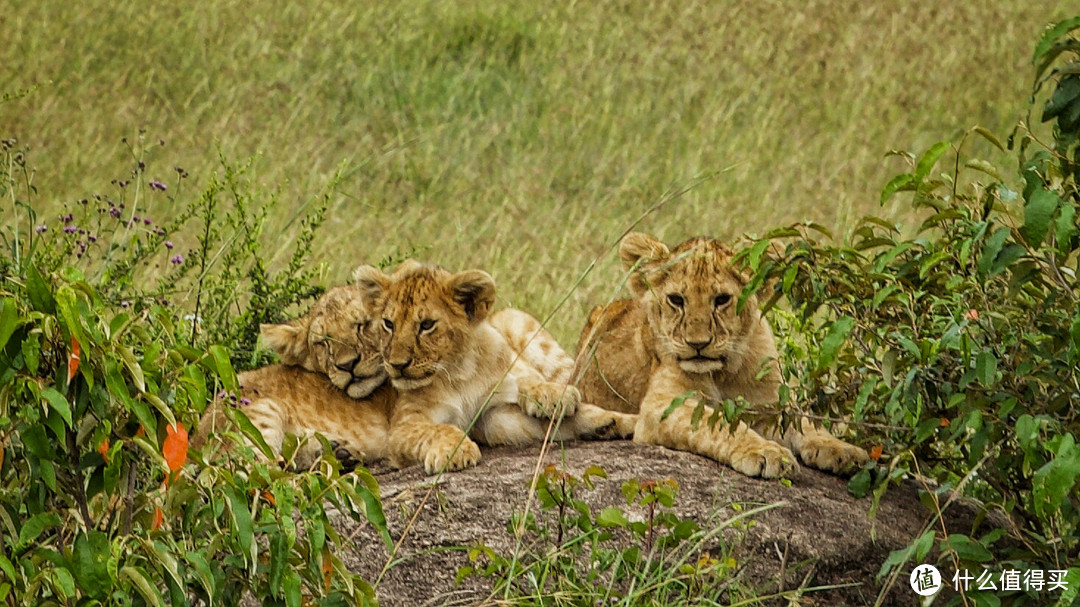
[330, 381]
[682, 334]
[451, 366]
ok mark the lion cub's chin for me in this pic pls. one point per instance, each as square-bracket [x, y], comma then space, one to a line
[702, 365]
[362, 387]
[408, 383]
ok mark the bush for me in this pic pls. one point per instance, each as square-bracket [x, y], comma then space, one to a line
[112, 342]
[957, 348]
[642, 555]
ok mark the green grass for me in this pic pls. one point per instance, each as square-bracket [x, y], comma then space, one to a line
[522, 139]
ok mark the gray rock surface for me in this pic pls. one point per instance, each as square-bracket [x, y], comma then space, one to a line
[819, 536]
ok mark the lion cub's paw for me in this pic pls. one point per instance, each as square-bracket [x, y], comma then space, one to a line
[548, 399]
[348, 458]
[765, 459]
[832, 455]
[447, 455]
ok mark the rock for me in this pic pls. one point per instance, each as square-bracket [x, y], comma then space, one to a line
[819, 535]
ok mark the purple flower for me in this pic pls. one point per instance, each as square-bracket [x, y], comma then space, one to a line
[221, 395]
[125, 304]
[177, 260]
[245, 401]
[41, 228]
[67, 218]
[157, 185]
[115, 212]
[91, 237]
[147, 221]
[70, 229]
[168, 244]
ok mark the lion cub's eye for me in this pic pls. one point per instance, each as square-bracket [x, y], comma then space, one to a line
[427, 325]
[676, 300]
[722, 300]
[388, 324]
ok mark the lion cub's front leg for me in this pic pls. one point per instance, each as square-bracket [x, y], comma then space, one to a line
[819, 449]
[545, 399]
[415, 438]
[741, 448]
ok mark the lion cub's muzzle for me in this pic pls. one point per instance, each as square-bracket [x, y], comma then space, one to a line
[407, 376]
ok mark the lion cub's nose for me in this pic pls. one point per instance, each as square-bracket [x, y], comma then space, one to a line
[400, 366]
[699, 343]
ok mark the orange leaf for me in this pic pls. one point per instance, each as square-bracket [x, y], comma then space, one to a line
[327, 568]
[103, 449]
[875, 452]
[269, 497]
[945, 422]
[141, 431]
[175, 446]
[73, 360]
[158, 517]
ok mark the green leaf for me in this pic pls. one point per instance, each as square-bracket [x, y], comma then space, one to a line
[89, 558]
[58, 403]
[63, 582]
[1038, 212]
[374, 513]
[9, 320]
[35, 526]
[1065, 228]
[279, 557]
[1063, 97]
[292, 589]
[39, 445]
[754, 255]
[990, 252]
[66, 302]
[202, 570]
[923, 546]
[675, 404]
[967, 549]
[986, 367]
[166, 559]
[220, 364]
[243, 530]
[38, 291]
[7, 568]
[1054, 481]
[838, 333]
[118, 388]
[989, 137]
[984, 167]
[249, 431]
[859, 485]
[134, 370]
[1051, 36]
[612, 517]
[929, 159]
[899, 183]
[143, 585]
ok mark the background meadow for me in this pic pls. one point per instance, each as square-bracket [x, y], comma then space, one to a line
[521, 138]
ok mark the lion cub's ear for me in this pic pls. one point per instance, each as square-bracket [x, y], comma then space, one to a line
[636, 251]
[288, 341]
[371, 282]
[474, 290]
